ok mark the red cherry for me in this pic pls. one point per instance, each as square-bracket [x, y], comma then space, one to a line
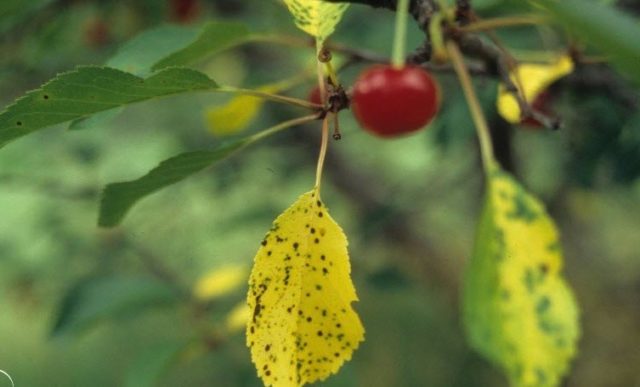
[184, 11]
[96, 33]
[389, 101]
[542, 104]
[314, 96]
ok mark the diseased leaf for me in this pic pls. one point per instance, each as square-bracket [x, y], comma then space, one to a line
[518, 310]
[214, 37]
[534, 79]
[316, 18]
[302, 326]
[89, 90]
[118, 198]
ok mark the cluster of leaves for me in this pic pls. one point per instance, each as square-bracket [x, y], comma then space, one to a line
[519, 311]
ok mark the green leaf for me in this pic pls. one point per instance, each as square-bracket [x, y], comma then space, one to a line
[136, 57]
[149, 366]
[214, 37]
[139, 54]
[89, 90]
[118, 198]
[97, 120]
[518, 310]
[608, 29]
[97, 299]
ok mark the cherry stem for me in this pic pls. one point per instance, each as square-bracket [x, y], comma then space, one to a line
[320, 72]
[272, 97]
[281, 126]
[482, 129]
[400, 37]
[323, 151]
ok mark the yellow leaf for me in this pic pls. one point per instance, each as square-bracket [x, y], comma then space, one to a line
[238, 317]
[317, 18]
[219, 282]
[534, 78]
[302, 326]
[236, 115]
[518, 310]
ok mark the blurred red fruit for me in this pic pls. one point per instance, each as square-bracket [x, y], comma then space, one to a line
[541, 104]
[184, 11]
[96, 33]
[314, 96]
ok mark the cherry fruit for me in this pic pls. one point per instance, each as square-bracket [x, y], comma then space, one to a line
[184, 11]
[542, 103]
[389, 101]
[314, 96]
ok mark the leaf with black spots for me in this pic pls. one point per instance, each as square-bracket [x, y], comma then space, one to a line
[302, 327]
[519, 311]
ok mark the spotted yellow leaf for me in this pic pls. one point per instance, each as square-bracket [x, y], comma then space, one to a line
[534, 79]
[302, 327]
[237, 114]
[518, 310]
[317, 18]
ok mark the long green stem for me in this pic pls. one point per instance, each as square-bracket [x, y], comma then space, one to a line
[400, 37]
[281, 126]
[269, 96]
[482, 129]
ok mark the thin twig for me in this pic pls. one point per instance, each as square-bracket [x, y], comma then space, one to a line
[271, 97]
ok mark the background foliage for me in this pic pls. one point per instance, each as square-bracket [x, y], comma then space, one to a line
[85, 306]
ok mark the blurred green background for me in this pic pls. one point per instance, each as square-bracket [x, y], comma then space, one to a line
[83, 306]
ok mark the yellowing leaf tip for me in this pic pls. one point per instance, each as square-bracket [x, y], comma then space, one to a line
[316, 18]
